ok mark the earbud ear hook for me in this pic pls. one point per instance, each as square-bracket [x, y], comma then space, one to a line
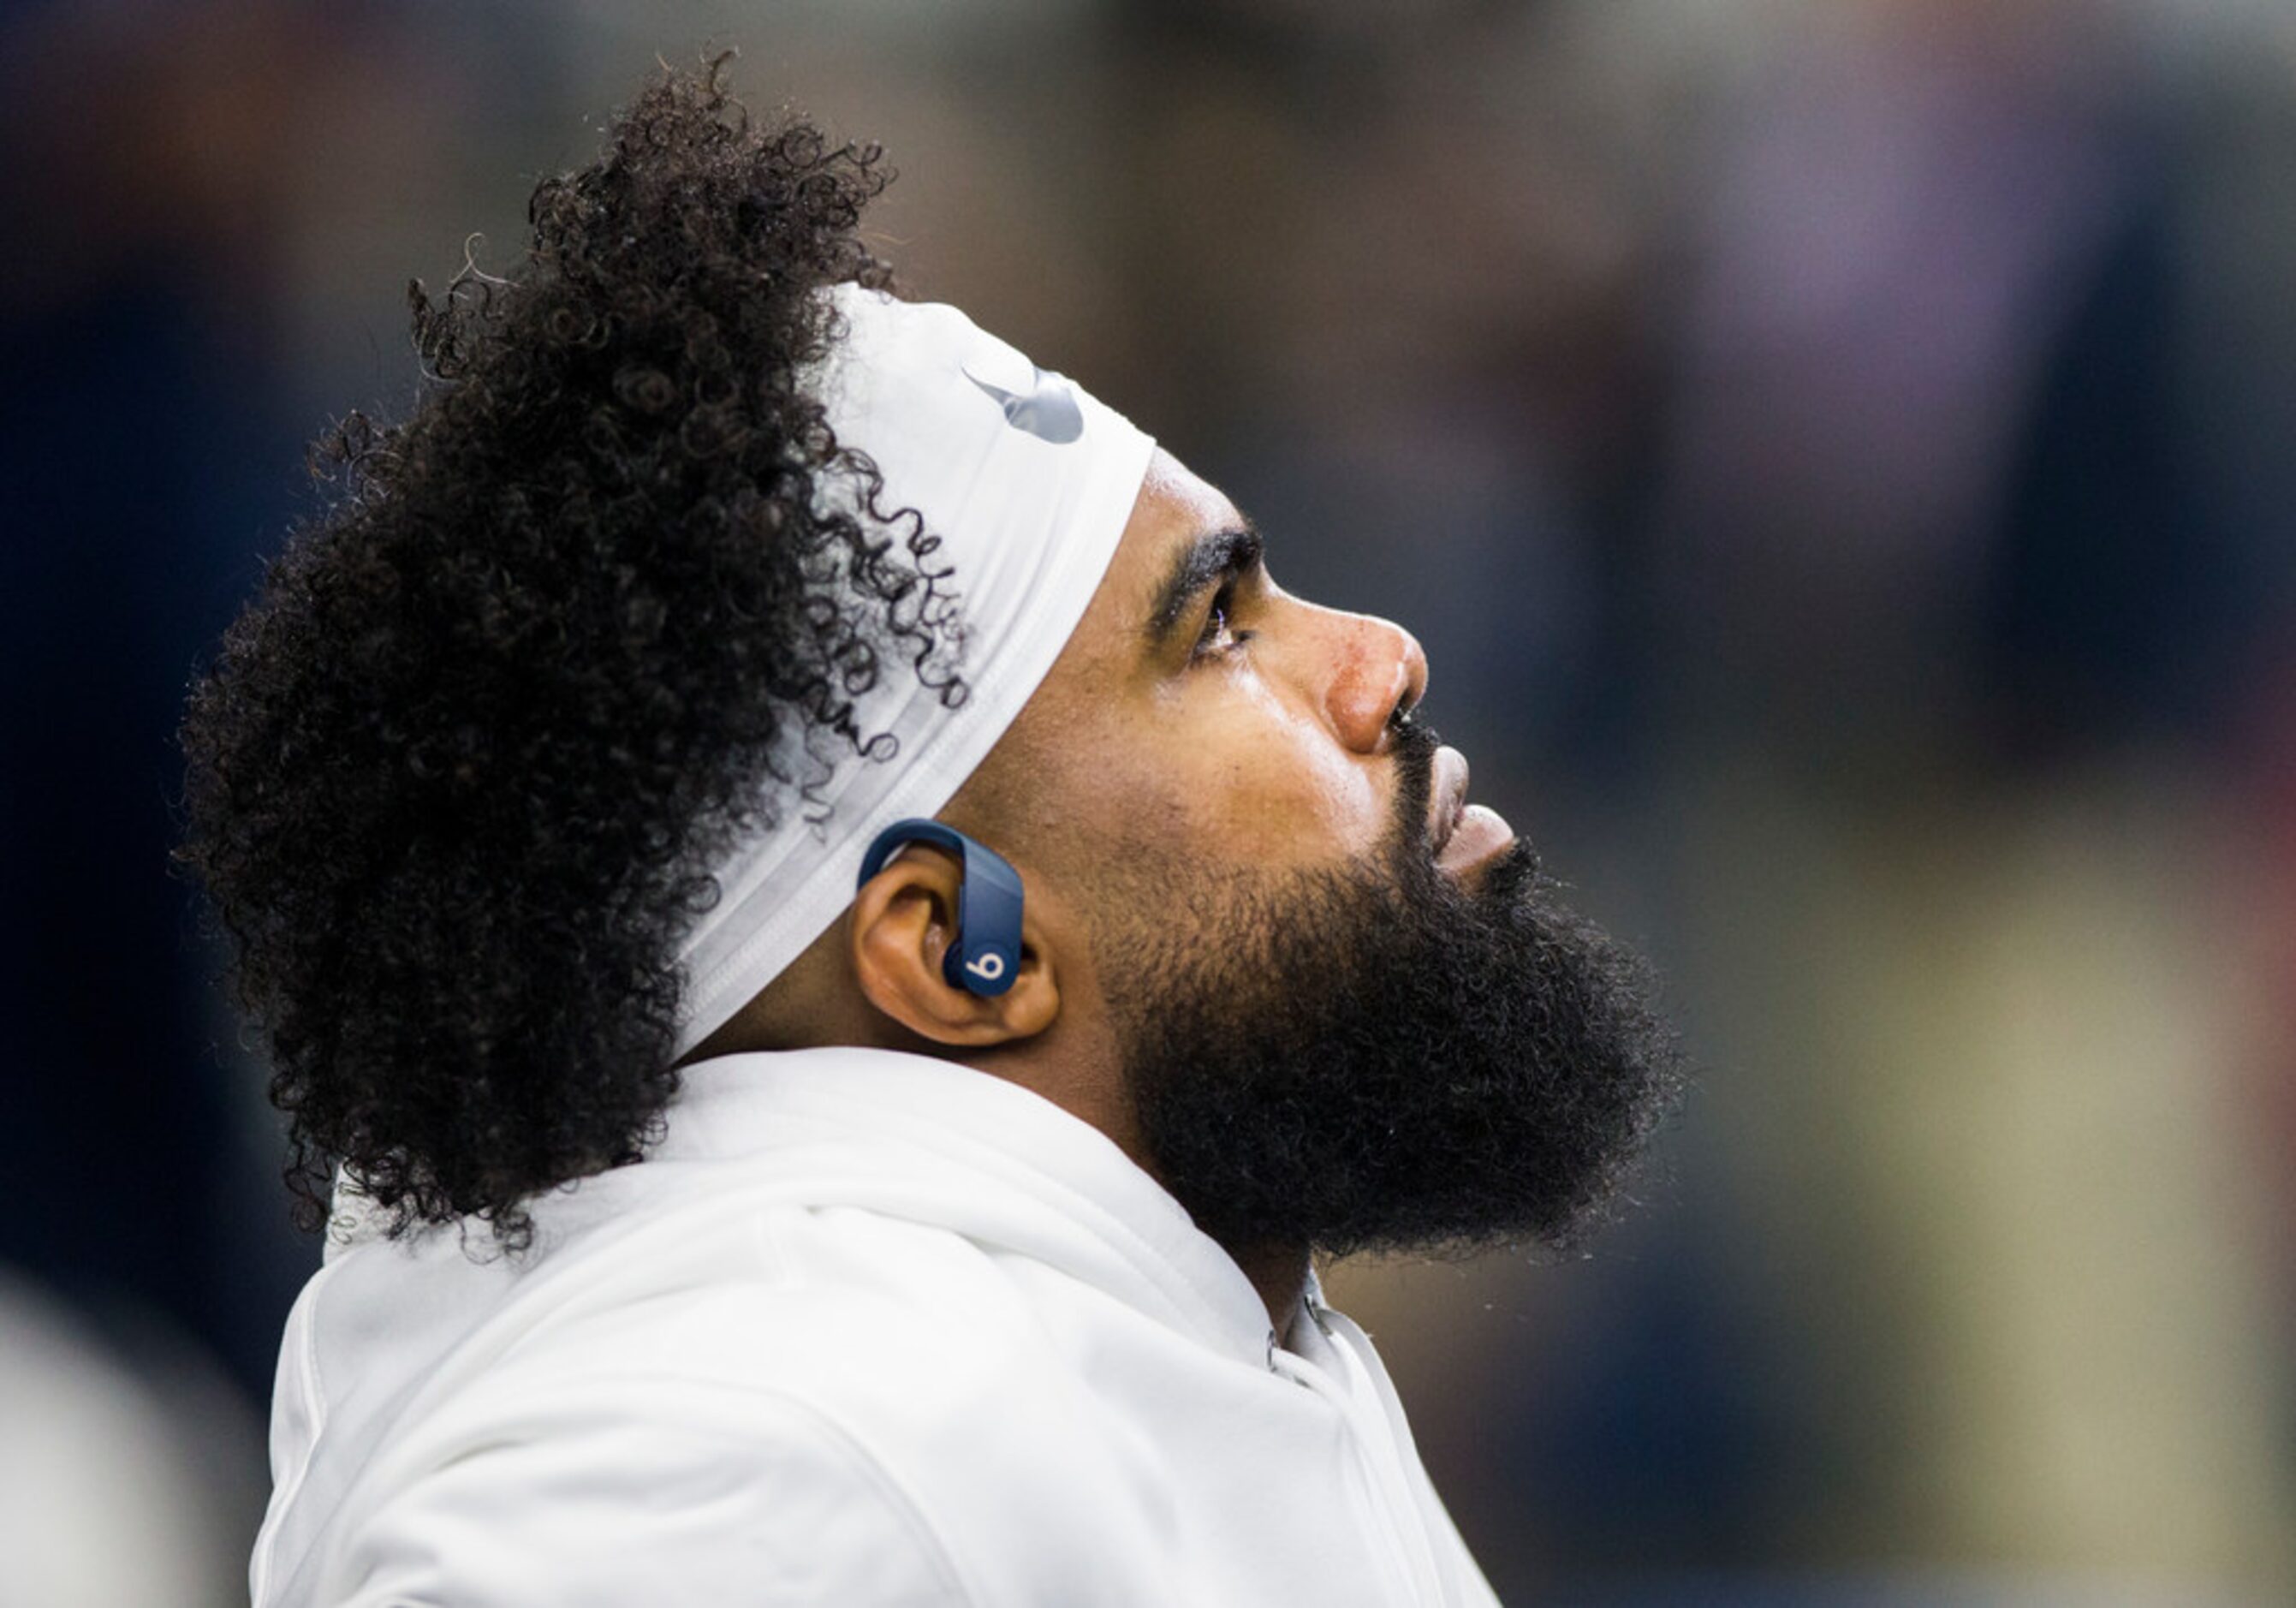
[984, 952]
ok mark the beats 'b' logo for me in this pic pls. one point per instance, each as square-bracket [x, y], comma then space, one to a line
[988, 968]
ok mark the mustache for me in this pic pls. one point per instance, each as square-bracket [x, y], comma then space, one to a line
[1415, 743]
[1515, 875]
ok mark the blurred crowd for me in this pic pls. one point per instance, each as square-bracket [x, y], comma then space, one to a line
[1841, 456]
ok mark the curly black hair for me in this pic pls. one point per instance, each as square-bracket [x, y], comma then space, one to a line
[458, 774]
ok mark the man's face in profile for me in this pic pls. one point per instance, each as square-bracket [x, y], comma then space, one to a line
[1351, 1013]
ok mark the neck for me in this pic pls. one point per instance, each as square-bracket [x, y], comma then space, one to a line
[1280, 1273]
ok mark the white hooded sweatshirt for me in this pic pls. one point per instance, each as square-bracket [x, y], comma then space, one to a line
[864, 1329]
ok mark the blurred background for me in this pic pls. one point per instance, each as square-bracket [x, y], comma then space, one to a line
[1841, 456]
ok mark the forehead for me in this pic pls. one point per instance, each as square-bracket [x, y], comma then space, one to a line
[1091, 701]
[1103, 662]
[1176, 504]
[1174, 507]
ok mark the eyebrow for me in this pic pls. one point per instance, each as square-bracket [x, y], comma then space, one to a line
[1213, 556]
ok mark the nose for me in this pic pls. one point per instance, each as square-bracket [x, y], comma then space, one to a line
[1381, 672]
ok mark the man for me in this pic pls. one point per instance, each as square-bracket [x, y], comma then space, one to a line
[706, 1232]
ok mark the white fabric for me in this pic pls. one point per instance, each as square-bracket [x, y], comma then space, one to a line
[865, 1329]
[1027, 521]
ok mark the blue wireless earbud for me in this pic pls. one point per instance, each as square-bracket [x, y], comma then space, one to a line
[984, 954]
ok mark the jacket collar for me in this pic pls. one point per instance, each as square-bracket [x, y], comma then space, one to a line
[943, 1142]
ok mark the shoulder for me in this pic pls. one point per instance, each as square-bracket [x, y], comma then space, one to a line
[791, 1405]
[620, 1487]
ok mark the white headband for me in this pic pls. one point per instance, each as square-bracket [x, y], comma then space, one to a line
[1029, 481]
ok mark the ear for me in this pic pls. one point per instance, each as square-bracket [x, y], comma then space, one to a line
[904, 921]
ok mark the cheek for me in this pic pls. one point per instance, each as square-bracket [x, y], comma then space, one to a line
[1293, 791]
[1251, 779]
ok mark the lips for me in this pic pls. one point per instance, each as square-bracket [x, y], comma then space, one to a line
[1460, 834]
[1447, 797]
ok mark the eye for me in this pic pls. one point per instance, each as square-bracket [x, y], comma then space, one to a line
[1220, 635]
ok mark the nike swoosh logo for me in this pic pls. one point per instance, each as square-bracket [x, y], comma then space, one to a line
[1048, 412]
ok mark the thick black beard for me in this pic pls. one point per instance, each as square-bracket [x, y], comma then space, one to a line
[1377, 1058]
